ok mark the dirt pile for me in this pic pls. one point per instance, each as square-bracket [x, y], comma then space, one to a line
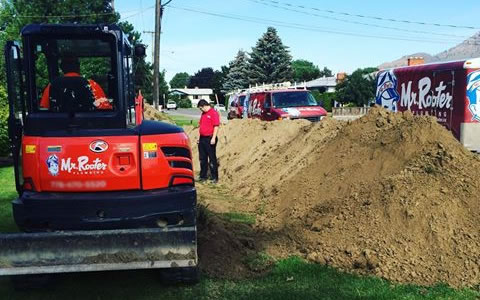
[256, 157]
[150, 113]
[393, 195]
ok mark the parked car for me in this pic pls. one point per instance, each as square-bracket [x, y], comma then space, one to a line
[171, 105]
[285, 104]
[220, 107]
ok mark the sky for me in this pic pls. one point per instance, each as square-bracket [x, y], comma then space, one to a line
[209, 33]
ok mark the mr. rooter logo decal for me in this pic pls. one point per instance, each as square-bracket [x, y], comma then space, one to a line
[82, 164]
[473, 94]
[422, 94]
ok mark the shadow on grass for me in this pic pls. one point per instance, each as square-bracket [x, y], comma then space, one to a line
[290, 279]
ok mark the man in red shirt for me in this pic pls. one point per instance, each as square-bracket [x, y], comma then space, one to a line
[207, 145]
[70, 66]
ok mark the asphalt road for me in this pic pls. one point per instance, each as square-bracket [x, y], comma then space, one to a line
[193, 113]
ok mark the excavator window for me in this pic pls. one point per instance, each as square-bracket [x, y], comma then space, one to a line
[75, 75]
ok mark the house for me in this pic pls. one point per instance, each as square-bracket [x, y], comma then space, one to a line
[194, 95]
[325, 84]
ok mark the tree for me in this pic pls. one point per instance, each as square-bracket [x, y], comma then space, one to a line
[326, 72]
[180, 80]
[219, 78]
[15, 14]
[324, 99]
[162, 87]
[304, 70]
[270, 60]
[238, 71]
[202, 79]
[358, 88]
[143, 70]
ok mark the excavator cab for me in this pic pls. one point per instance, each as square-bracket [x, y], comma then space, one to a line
[99, 188]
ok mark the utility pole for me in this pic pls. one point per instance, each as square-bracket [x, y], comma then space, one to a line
[156, 56]
[156, 50]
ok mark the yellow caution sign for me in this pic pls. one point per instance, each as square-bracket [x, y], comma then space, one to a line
[149, 146]
[30, 149]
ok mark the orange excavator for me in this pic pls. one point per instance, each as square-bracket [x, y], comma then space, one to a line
[98, 189]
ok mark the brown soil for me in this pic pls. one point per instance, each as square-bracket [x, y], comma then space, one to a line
[392, 195]
[150, 113]
[224, 247]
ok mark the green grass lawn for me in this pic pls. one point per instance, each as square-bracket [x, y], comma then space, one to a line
[291, 278]
[7, 194]
[182, 121]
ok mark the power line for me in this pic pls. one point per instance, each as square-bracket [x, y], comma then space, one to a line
[263, 2]
[371, 17]
[309, 27]
[138, 13]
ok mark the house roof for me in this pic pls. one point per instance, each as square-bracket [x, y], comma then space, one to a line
[193, 91]
[323, 82]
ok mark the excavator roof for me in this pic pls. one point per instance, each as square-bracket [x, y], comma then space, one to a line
[42, 29]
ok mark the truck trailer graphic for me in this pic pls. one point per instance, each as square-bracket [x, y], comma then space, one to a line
[448, 91]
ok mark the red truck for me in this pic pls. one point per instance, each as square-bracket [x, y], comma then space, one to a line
[284, 104]
[449, 91]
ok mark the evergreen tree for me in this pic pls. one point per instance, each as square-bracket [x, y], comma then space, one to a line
[270, 60]
[237, 76]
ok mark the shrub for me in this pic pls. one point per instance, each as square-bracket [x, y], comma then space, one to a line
[324, 99]
[184, 103]
[181, 102]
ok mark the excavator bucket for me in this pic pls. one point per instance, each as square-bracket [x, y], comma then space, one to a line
[102, 250]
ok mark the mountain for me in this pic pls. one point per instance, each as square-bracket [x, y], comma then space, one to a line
[467, 49]
[403, 60]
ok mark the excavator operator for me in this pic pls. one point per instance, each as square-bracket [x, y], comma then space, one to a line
[70, 66]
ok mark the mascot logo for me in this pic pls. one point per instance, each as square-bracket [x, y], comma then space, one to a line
[473, 94]
[387, 95]
[52, 164]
